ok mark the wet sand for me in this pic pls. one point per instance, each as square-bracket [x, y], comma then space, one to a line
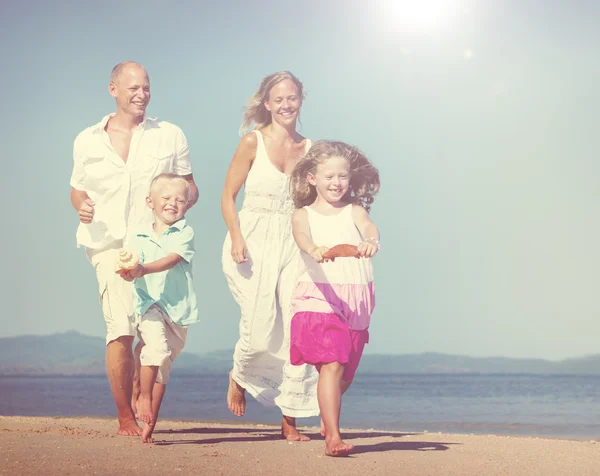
[77, 446]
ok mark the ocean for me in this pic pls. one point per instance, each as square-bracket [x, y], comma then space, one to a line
[525, 405]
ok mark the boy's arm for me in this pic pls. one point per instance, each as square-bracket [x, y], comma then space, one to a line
[180, 248]
[368, 230]
[301, 232]
[157, 266]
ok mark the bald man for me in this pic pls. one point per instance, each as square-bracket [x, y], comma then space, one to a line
[114, 162]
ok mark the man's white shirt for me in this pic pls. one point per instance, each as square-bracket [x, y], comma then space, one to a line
[118, 188]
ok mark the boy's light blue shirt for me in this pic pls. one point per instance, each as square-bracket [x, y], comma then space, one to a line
[173, 289]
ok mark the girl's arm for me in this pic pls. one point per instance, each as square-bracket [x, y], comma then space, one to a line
[368, 230]
[301, 232]
[236, 176]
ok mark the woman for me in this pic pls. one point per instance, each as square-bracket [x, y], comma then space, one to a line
[260, 255]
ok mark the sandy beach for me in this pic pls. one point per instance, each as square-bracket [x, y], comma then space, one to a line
[73, 446]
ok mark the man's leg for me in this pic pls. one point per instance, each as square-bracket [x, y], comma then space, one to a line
[120, 370]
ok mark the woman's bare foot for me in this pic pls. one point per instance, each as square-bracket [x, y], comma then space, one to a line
[147, 433]
[336, 447]
[128, 427]
[144, 408]
[322, 429]
[236, 397]
[290, 432]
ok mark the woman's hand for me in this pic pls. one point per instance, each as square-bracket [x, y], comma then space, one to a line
[239, 250]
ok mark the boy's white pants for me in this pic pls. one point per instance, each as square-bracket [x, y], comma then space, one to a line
[163, 341]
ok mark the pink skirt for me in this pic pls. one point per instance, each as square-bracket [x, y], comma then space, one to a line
[318, 338]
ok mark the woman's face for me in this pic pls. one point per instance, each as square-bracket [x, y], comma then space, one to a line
[284, 103]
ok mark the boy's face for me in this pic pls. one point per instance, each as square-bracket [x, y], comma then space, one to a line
[168, 201]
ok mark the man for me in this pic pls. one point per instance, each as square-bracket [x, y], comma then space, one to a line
[114, 163]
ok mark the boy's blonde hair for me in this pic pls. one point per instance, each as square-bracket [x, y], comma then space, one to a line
[364, 177]
[168, 177]
[255, 110]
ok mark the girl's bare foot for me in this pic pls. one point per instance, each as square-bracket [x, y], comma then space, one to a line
[144, 408]
[290, 432]
[336, 447]
[147, 433]
[322, 429]
[236, 397]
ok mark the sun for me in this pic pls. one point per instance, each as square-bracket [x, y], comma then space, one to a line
[411, 15]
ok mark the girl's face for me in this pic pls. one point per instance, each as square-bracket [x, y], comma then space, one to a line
[331, 179]
[284, 103]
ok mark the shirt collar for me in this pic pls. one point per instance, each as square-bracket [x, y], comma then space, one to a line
[147, 122]
[149, 231]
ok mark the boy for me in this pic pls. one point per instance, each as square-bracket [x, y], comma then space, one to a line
[165, 297]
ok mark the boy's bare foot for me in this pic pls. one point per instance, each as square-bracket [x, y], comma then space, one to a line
[336, 447]
[128, 427]
[290, 432]
[147, 433]
[144, 408]
[134, 399]
[236, 397]
[322, 429]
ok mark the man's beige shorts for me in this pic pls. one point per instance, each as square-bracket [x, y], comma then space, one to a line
[116, 295]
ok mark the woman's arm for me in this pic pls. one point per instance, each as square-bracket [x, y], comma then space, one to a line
[236, 176]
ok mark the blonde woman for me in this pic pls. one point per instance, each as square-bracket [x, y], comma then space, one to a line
[260, 255]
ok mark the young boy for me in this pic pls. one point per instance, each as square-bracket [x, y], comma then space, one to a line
[165, 296]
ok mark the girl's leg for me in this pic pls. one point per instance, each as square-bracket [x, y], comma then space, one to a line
[345, 385]
[329, 394]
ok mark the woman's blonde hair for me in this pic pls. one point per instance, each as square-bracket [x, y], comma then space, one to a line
[364, 177]
[255, 111]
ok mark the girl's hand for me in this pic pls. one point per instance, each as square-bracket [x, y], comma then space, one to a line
[317, 253]
[368, 248]
[239, 250]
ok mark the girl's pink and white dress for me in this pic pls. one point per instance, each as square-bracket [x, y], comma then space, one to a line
[333, 301]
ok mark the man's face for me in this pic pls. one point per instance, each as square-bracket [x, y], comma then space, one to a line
[131, 89]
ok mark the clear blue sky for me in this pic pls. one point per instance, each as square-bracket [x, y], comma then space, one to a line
[482, 123]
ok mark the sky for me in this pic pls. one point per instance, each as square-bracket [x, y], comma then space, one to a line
[480, 116]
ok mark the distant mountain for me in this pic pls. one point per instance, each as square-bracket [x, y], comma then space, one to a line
[72, 353]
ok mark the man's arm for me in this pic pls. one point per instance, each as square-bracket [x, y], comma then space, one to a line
[193, 190]
[83, 204]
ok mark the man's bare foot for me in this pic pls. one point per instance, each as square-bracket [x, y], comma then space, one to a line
[144, 407]
[236, 397]
[290, 432]
[322, 429]
[129, 427]
[336, 447]
[147, 433]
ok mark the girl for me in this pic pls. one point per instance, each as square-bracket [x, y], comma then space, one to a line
[332, 188]
[259, 255]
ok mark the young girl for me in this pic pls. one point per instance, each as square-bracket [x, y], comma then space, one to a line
[332, 188]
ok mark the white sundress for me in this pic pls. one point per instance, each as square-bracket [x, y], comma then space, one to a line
[263, 287]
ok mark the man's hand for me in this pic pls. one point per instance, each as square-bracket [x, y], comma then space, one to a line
[86, 211]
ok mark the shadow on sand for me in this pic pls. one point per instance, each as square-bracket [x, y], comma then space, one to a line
[272, 434]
